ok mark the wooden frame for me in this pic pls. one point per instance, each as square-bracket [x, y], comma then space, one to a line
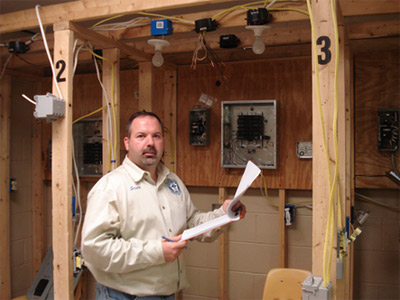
[86, 10]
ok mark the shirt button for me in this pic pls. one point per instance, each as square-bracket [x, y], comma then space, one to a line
[163, 207]
[170, 230]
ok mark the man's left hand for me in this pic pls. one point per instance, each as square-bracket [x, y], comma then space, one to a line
[238, 206]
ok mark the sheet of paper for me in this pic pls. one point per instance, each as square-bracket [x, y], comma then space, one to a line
[250, 174]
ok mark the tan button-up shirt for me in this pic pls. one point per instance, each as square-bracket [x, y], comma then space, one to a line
[127, 214]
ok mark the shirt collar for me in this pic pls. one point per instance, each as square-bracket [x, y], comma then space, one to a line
[138, 174]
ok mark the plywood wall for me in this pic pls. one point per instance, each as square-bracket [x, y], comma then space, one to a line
[377, 85]
[287, 81]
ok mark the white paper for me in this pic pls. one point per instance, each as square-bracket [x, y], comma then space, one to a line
[250, 174]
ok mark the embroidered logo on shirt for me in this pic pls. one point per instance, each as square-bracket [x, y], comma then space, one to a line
[131, 188]
[173, 186]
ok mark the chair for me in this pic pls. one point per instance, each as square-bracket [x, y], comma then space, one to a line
[283, 283]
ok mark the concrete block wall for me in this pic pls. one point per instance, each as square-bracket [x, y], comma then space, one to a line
[253, 246]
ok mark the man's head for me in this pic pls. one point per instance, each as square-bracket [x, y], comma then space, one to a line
[144, 140]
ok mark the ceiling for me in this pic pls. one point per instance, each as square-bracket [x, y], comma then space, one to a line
[284, 38]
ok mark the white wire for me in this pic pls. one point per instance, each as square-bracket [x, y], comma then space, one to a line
[109, 121]
[271, 3]
[29, 99]
[48, 51]
[122, 25]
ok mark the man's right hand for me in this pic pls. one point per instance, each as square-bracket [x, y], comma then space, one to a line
[173, 249]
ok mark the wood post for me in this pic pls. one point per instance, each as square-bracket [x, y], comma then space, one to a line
[111, 84]
[223, 254]
[324, 159]
[61, 167]
[146, 82]
[170, 118]
[282, 230]
[5, 115]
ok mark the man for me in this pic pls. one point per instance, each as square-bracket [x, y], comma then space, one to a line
[129, 211]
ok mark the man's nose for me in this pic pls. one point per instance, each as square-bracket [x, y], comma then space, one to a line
[149, 140]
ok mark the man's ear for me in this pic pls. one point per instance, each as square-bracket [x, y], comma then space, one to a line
[126, 143]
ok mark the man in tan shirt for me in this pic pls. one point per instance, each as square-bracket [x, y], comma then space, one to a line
[129, 211]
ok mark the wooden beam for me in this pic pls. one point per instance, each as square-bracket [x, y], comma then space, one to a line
[346, 148]
[38, 203]
[61, 167]
[170, 78]
[88, 10]
[146, 81]
[111, 85]
[324, 160]
[223, 253]
[282, 249]
[5, 116]
[104, 42]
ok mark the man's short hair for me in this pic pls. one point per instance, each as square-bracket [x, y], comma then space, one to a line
[142, 114]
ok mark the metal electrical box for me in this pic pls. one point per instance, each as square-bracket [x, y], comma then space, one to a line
[199, 122]
[88, 147]
[249, 132]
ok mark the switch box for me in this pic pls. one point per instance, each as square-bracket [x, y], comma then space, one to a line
[313, 289]
[199, 122]
[161, 27]
[388, 130]
[49, 107]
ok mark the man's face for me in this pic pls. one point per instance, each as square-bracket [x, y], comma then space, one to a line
[145, 145]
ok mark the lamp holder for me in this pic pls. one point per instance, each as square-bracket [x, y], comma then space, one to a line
[258, 29]
[158, 44]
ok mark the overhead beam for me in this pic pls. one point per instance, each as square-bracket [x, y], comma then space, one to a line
[84, 10]
[104, 42]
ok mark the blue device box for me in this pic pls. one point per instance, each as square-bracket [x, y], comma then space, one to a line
[161, 27]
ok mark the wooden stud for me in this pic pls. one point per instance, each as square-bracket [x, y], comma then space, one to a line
[61, 167]
[170, 119]
[282, 230]
[346, 142]
[223, 253]
[324, 60]
[111, 61]
[38, 203]
[146, 81]
[5, 116]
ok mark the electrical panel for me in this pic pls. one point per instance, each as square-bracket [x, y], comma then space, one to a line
[249, 132]
[88, 147]
[199, 122]
[388, 130]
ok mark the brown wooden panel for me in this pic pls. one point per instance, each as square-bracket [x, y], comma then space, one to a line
[287, 81]
[377, 81]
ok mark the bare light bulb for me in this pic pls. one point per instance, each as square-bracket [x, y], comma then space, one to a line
[258, 45]
[158, 59]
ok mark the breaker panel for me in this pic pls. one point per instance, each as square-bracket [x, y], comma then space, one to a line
[199, 122]
[249, 133]
[88, 147]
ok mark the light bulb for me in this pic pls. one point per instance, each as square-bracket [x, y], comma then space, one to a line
[258, 45]
[157, 59]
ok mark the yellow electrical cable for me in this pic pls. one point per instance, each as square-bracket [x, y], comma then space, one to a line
[105, 20]
[166, 17]
[329, 229]
[88, 115]
[292, 9]
[112, 105]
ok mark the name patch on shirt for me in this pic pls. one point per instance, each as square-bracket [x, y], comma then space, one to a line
[134, 187]
[173, 186]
